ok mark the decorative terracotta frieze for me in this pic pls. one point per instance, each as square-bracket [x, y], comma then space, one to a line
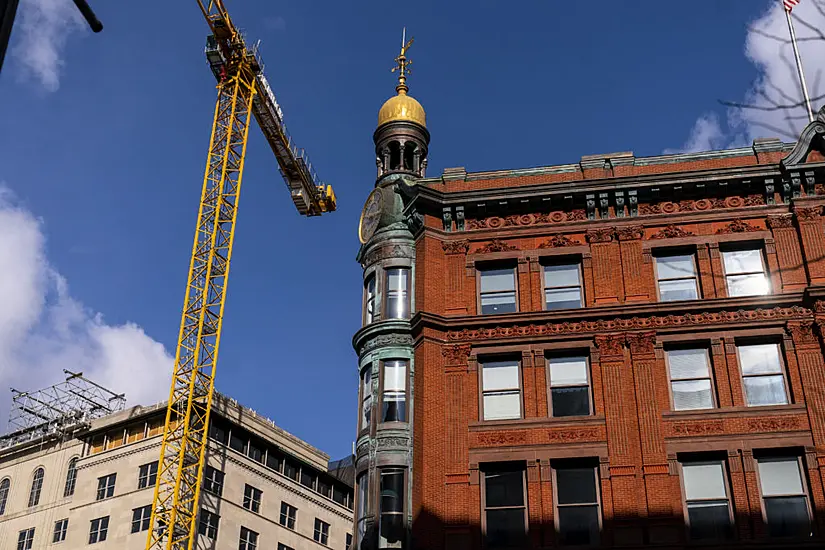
[456, 354]
[455, 247]
[780, 222]
[558, 241]
[671, 232]
[633, 323]
[610, 344]
[802, 332]
[737, 226]
[495, 245]
[808, 214]
[527, 220]
[630, 233]
[641, 343]
[600, 235]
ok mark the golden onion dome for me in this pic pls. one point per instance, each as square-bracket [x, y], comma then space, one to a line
[402, 107]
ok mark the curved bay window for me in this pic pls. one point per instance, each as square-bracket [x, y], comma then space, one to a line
[369, 300]
[363, 489]
[397, 292]
[391, 522]
[394, 392]
[366, 397]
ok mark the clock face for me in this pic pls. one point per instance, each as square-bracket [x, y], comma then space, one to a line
[370, 216]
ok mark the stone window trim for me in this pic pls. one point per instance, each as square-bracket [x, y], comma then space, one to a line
[697, 241]
[568, 352]
[712, 457]
[479, 267]
[789, 454]
[380, 408]
[498, 356]
[555, 467]
[693, 345]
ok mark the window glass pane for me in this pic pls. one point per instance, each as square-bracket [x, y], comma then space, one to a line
[500, 375]
[579, 524]
[397, 279]
[493, 280]
[704, 481]
[505, 528]
[568, 298]
[709, 520]
[692, 394]
[681, 289]
[760, 359]
[765, 390]
[787, 516]
[395, 375]
[748, 285]
[392, 492]
[576, 485]
[742, 261]
[675, 267]
[780, 476]
[394, 407]
[498, 303]
[567, 371]
[504, 488]
[561, 275]
[571, 401]
[687, 363]
[502, 406]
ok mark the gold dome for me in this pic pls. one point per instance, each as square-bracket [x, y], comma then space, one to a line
[402, 107]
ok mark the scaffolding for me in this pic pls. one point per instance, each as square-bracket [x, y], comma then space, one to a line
[59, 410]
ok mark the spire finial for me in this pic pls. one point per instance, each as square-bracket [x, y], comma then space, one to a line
[403, 64]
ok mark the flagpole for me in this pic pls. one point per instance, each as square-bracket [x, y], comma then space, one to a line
[799, 67]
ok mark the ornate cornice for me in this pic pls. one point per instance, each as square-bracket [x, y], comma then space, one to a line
[526, 220]
[780, 221]
[812, 137]
[600, 235]
[671, 232]
[630, 324]
[455, 247]
[700, 205]
[737, 226]
[386, 340]
[495, 245]
[558, 241]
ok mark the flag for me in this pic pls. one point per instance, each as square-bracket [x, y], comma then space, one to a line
[790, 4]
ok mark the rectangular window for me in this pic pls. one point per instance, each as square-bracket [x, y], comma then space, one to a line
[25, 539]
[237, 440]
[288, 513]
[274, 459]
[106, 486]
[248, 539]
[505, 506]
[366, 397]
[577, 504]
[208, 524]
[60, 528]
[391, 520]
[282, 546]
[676, 276]
[291, 469]
[784, 498]
[706, 499]
[349, 541]
[398, 296]
[562, 286]
[762, 374]
[369, 300]
[690, 380]
[363, 488]
[148, 475]
[213, 481]
[324, 487]
[140, 518]
[569, 386]
[307, 477]
[497, 290]
[99, 529]
[501, 392]
[321, 531]
[255, 452]
[252, 498]
[394, 396]
[745, 272]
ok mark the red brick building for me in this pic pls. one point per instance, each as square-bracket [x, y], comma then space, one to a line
[620, 352]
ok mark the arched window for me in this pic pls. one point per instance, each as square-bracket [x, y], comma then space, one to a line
[4, 494]
[37, 486]
[71, 478]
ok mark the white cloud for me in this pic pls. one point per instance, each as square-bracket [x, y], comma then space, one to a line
[707, 135]
[767, 46]
[44, 330]
[40, 33]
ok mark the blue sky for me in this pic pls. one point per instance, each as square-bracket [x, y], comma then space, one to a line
[104, 138]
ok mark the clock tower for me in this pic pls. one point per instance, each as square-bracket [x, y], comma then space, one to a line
[384, 473]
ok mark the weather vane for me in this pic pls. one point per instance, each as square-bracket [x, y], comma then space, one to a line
[402, 63]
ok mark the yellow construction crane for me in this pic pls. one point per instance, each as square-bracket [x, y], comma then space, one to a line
[242, 91]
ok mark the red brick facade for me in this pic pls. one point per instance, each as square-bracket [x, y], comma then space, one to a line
[698, 205]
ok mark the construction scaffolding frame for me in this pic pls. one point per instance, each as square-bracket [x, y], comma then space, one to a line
[58, 410]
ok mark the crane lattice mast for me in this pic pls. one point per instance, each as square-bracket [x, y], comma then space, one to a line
[243, 91]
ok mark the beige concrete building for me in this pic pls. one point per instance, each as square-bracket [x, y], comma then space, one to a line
[263, 487]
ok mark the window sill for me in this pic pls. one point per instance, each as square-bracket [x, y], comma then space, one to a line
[744, 411]
[543, 422]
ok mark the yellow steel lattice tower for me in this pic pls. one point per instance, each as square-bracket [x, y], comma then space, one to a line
[243, 92]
